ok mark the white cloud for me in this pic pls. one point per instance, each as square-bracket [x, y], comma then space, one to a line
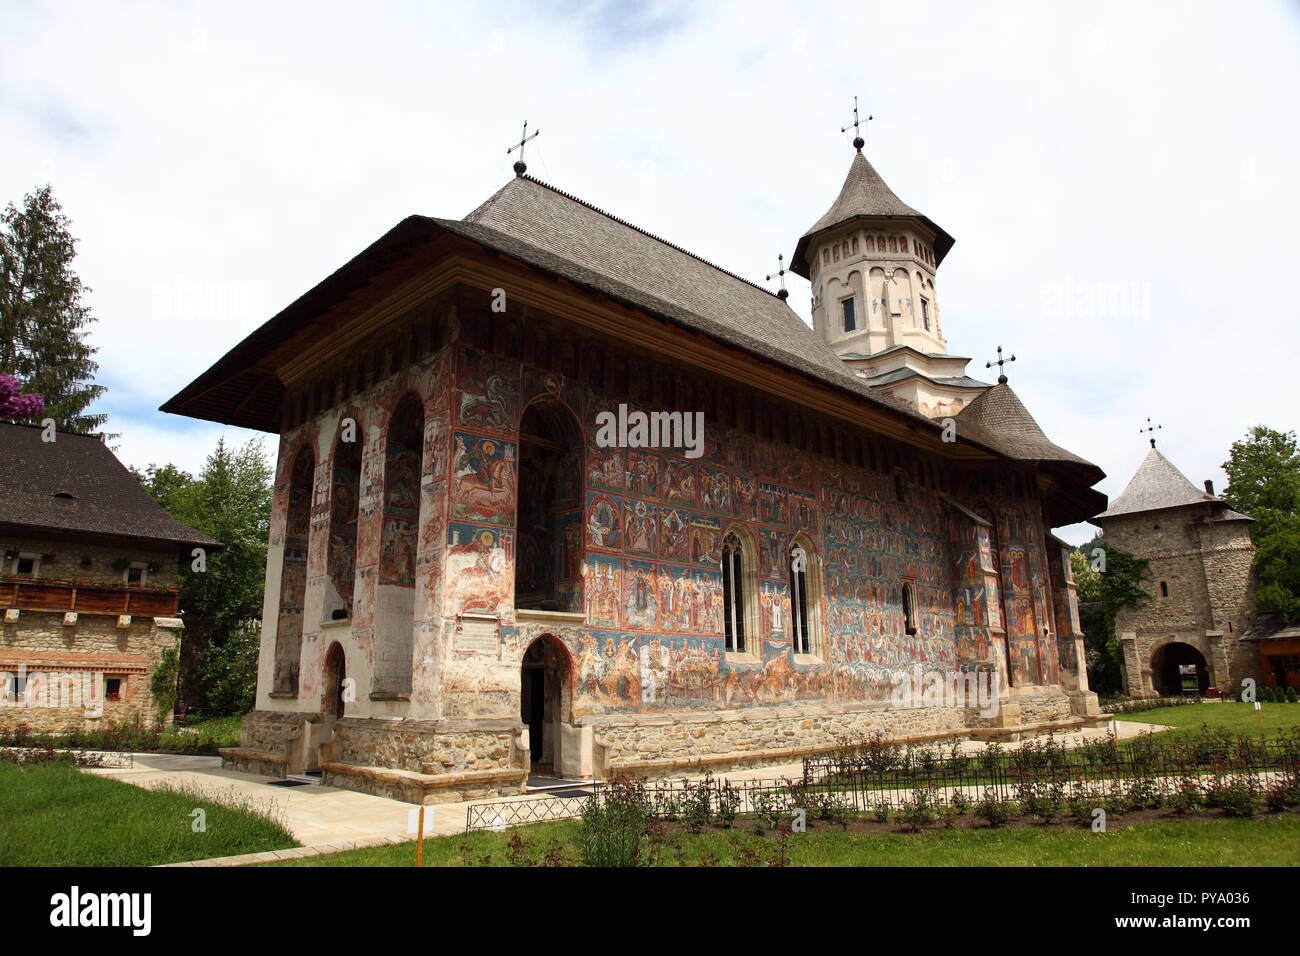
[219, 159]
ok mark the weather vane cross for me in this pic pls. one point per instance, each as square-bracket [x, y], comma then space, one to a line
[858, 141]
[1002, 378]
[1150, 431]
[782, 293]
[520, 168]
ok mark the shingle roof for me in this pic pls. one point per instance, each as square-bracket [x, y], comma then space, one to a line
[545, 228]
[1158, 484]
[1000, 420]
[865, 194]
[549, 228]
[75, 483]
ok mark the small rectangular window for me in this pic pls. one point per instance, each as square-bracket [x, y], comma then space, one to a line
[25, 566]
[846, 308]
[112, 688]
[925, 313]
[137, 574]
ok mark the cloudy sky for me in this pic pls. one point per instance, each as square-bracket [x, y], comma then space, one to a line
[1121, 179]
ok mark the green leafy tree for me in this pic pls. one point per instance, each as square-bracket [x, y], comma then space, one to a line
[1264, 482]
[1106, 583]
[230, 671]
[166, 484]
[230, 499]
[43, 316]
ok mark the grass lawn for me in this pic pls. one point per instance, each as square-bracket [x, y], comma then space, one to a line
[1264, 841]
[1270, 721]
[51, 814]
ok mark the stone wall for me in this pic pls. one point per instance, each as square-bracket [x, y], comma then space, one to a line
[430, 747]
[62, 559]
[65, 666]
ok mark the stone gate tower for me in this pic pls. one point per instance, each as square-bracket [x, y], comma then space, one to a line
[1202, 593]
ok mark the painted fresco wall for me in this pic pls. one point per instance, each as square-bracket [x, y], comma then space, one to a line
[391, 533]
[652, 530]
[639, 554]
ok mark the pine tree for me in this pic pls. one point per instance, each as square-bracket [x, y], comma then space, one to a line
[43, 319]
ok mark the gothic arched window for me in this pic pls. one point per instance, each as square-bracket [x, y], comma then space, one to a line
[909, 611]
[805, 597]
[733, 593]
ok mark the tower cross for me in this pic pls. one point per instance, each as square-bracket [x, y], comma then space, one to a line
[1150, 431]
[1002, 378]
[520, 168]
[858, 141]
[782, 293]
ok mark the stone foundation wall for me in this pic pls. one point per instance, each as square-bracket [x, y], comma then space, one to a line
[740, 733]
[1044, 708]
[431, 747]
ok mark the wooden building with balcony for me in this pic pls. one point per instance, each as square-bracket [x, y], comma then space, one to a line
[88, 583]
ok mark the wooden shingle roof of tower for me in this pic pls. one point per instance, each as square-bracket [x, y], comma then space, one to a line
[999, 419]
[865, 195]
[1158, 485]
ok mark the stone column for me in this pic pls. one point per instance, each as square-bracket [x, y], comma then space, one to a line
[1137, 678]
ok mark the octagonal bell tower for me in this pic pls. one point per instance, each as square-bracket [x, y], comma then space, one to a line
[872, 261]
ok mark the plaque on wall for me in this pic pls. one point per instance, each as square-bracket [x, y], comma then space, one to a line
[478, 635]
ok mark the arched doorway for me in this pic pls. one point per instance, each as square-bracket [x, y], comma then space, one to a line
[1178, 669]
[549, 549]
[334, 697]
[546, 702]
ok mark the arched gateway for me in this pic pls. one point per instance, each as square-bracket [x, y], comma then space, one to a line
[1177, 669]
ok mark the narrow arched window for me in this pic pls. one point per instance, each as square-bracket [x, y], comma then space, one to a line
[802, 620]
[733, 597]
[1164, 589]
[909, 612]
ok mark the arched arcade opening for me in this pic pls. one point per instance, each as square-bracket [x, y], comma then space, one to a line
[1178, 669]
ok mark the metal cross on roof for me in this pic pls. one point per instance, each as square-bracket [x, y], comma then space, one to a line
[782, 293]
[858, 141]
[1002, 378]
[520, 168]
[1150, 431]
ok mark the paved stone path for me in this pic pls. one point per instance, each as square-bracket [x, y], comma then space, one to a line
[329, 820]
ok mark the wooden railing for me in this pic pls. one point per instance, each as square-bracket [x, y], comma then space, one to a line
[37, 595]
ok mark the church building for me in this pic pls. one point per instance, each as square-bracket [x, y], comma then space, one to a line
[555, 494]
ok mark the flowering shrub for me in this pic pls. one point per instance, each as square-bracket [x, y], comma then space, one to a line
[13, 403]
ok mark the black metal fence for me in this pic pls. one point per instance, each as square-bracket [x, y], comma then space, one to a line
[870, 777]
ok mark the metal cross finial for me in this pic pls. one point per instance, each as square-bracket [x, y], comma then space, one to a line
[1002, 378]
[858, 141]
[782, 293]
[520, 168]
[1150, 431]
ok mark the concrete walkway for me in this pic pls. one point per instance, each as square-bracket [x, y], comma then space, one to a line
[329, 820]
